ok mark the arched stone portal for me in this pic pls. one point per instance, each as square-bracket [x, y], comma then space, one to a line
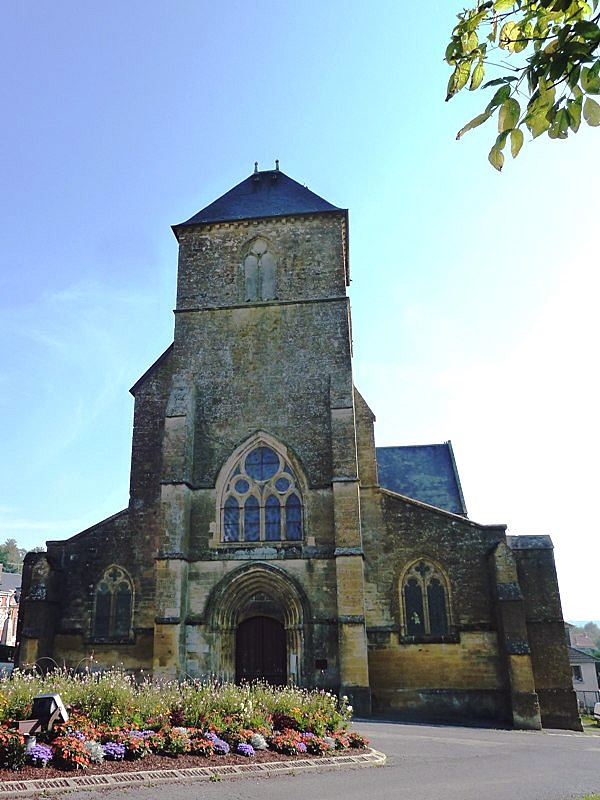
[257, 592]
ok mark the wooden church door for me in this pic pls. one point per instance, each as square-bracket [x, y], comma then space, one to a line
[260, 651]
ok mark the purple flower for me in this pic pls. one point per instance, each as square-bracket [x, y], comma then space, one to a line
[221, 747]
[114, 751]
[245, 749]
[40, 754]
[301, 747]
[141, 734]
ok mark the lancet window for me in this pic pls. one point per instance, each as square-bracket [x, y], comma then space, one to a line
[425, 601]
[261, 500]
[113, 605]
[259, 272]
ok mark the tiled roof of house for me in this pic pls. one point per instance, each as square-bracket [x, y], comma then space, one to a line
[582, 641]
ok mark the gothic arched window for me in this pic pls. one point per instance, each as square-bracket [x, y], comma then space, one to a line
[113, 605]
[261, 499]
[425, 601]
[259, 272]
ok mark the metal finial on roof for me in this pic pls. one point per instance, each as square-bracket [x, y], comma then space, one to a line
[256, 166]
[277, 164]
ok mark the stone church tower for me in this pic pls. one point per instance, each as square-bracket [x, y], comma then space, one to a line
[266, 536]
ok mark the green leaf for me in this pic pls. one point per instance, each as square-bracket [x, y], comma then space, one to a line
[501, 5]
[459, 78]
[562, 119]
[501, 139]
[498, 81]
[474, 123]
[452, 51]
[471, 43]
[574, 75]
[510, 111]
[590, 81]
[496, 158]
[574, 112]
[558, 67]
[591, 112]
[501, 95]
[589, 30]
[509, 34]
[516, 142]
[556, 132]
[537, 123]
[477, 76]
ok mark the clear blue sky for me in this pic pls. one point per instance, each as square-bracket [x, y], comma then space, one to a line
[474, 294]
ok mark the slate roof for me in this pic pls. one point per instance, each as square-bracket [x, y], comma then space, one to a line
[528, 542]
[9, 581]
[580, 657]
[425, 472]
[269, 193]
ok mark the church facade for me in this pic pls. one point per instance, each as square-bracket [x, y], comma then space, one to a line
[266, 536]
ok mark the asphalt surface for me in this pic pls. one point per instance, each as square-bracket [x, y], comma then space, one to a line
[425, 762]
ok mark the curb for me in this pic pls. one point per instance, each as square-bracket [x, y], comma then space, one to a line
[13, 789]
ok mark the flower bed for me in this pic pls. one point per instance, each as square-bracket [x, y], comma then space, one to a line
[119, 723]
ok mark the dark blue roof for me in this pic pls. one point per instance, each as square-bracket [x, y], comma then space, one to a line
[269, 193]
[425, 472]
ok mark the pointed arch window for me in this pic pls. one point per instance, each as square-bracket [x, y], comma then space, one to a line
[113, 606]
[261, 499]
[259, 272]
[425, 602]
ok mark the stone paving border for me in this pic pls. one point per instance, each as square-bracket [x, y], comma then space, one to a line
[14, 789]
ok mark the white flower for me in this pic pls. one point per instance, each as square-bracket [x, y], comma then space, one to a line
[349, 709]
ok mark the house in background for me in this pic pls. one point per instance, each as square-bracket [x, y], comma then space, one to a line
[581, 641]
[10, 591]
[584, 668]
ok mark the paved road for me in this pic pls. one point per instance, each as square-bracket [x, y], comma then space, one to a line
[425, 762]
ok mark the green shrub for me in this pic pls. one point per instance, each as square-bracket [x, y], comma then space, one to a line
[12, 749]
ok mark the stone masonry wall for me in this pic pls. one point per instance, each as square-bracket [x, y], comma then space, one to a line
[462, 675]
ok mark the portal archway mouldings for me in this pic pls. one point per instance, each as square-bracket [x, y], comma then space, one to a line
[257, 590]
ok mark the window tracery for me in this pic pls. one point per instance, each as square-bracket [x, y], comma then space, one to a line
[425, 601]
[261, 499]
[113, 605]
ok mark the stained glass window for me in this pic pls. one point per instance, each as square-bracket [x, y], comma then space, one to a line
[293, 517]
[113, 605]
[436, 601]
[272, 519]
[251, 520]
[425, 601]
[261, 499]
[231, 523]
[415, 617]
[262, 463]
[102, 615]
